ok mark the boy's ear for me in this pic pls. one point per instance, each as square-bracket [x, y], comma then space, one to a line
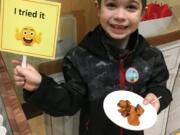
[97, 5]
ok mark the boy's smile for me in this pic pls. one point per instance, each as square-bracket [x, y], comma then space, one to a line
[120, 18]
[118, 29]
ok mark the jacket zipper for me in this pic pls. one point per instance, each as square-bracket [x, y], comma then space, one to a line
[121, 75]
[121, 82]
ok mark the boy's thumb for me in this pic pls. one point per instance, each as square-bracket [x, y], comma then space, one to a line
[145, 101]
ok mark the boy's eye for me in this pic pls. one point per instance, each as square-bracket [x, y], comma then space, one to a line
[132, 8]
[111, 5]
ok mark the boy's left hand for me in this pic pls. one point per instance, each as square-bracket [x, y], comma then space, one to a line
[149, 98]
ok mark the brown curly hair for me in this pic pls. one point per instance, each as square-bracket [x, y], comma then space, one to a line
[143, 2]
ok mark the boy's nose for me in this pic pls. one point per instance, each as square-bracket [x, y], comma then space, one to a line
[120, 14]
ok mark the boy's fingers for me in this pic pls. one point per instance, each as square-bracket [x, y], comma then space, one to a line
[21, 84]
[17, 74]
[18, 78]
[148, 99]
[16, 62]
[145, 101]
[21, 71]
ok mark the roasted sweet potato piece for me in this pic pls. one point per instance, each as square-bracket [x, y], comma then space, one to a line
[124, 103]
[139, 110]
[133, 119]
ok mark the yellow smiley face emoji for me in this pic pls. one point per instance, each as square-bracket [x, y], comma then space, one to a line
[28, 36]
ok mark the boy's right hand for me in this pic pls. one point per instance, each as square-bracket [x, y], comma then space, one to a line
[28, 78]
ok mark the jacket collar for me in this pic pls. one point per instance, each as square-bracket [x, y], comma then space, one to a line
[98, 43]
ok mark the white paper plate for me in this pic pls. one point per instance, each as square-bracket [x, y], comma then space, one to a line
[147, 119]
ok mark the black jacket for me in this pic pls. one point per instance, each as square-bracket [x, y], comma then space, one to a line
[91, 71]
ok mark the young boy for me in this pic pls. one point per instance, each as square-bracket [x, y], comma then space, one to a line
[101, 64]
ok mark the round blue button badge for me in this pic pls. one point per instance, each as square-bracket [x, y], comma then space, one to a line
[132, 75]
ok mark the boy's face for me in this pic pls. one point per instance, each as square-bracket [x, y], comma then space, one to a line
[119, 18]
